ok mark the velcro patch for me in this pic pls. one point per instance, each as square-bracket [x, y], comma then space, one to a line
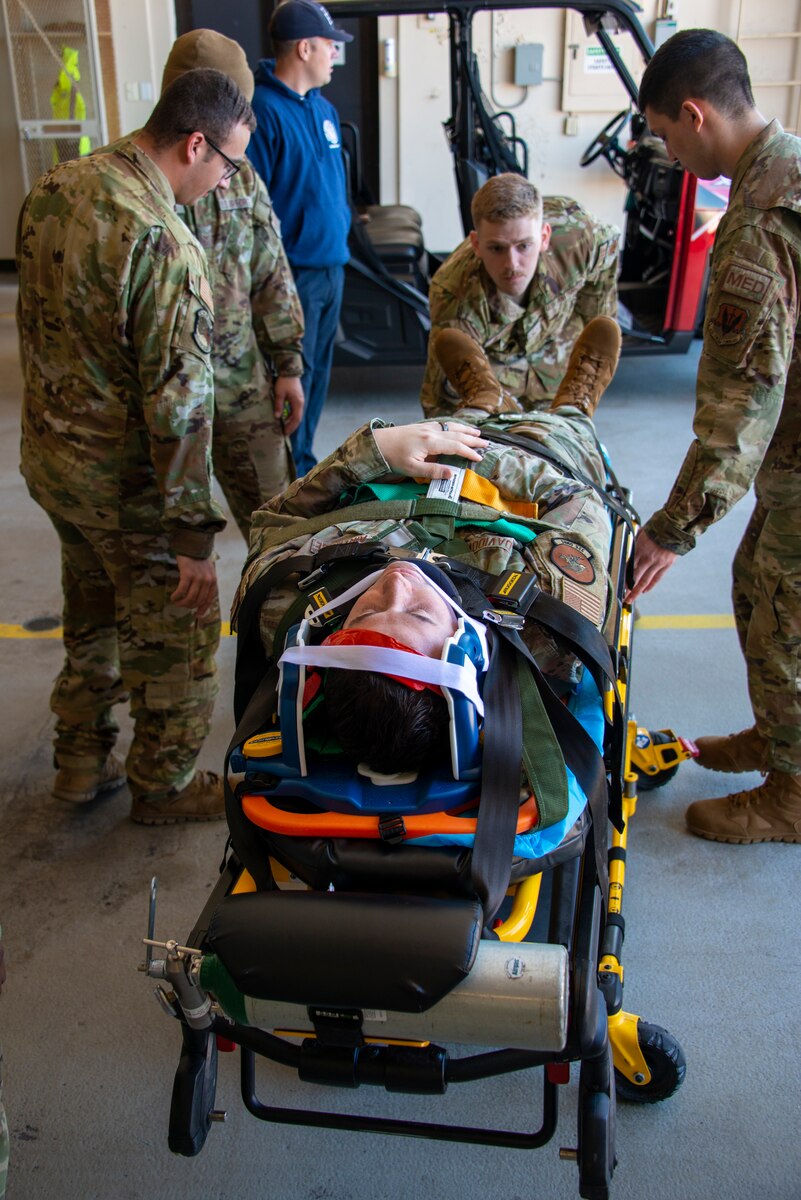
[205, 293]
[573, 561]
[203, 330]
[739, 279]
[586, 603]
[729, 324]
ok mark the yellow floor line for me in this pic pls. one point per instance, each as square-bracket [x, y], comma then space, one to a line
[687, 621]
[19, 631]
[676, 621]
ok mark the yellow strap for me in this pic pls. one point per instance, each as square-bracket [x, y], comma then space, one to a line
[476, 487]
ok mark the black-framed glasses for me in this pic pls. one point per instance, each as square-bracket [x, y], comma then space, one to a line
[232, 168]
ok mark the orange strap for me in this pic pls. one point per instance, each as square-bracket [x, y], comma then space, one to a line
[483, 491]
[261, 812]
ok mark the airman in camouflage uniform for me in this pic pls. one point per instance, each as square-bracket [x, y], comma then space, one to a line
[258, 324]
[569, 553]
[747, 426]
[527, 338]
[4, 1139]
[116, 321]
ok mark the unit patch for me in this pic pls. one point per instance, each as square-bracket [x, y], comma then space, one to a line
[203, 330]
[729, 324]
[572, 560]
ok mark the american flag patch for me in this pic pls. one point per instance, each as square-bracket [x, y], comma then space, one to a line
[584, 602]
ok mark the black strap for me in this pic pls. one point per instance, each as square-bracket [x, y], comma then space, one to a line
[583, 640]
[614, 499]
[496, 824]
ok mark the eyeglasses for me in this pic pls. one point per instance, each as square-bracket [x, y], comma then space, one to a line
[232, 167]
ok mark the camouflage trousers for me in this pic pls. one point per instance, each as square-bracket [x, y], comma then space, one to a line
[252, 459]
[766, 590]
[4, 1140]
[124, 636]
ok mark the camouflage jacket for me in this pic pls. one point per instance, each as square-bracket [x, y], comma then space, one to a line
[258, 326]
[528, 348]
[116, 320]
[748, 397]
[569, 553]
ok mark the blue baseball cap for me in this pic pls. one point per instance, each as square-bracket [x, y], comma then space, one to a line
[296, 19]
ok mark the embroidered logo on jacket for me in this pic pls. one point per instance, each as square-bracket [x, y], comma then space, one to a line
[729, 324]
[330, 131]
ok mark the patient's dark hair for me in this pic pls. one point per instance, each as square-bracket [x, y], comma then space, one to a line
[697, 64]
[384, 723]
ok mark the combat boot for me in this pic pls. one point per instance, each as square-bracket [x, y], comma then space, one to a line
[744, 751]
[81, 785]
[770, 813]
[591, 366]
[466, 368]
[200, 800]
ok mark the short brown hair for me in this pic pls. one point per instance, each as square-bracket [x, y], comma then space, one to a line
[203, 100]
[505, 197]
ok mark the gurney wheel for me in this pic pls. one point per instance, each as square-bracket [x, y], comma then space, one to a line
[193, 1093]
[666, 1062]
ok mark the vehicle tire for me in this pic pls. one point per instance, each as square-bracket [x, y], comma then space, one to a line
[193, 1093]
[666, 1062]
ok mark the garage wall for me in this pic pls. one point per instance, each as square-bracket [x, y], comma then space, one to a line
[415, 99]
[416, 164]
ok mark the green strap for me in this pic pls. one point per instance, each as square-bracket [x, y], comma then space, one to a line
[470, 513]
[543, 761]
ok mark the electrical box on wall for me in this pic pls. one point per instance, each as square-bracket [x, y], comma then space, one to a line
[528, 64]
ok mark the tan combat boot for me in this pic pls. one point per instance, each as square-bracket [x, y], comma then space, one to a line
[770, 813]
[200, 800]
[466, 368]
[591, 366]
[744, 751]
[81, 785]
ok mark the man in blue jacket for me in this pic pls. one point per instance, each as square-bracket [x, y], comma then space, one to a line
[297, 150]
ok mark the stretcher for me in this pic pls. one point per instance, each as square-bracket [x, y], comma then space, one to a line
[345, 938]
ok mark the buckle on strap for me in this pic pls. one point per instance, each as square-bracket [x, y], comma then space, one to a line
[391, 828]
[515, 589]
[509, 620]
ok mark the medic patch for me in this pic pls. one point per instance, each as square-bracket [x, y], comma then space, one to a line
[572, 560]
[744, 281]
[203, 330]
[729, 324]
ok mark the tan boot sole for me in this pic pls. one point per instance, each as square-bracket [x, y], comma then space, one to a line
[732, 840]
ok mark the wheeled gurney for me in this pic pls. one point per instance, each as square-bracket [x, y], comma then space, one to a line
[347, 936]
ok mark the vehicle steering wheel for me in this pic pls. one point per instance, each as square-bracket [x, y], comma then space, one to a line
[605, 143]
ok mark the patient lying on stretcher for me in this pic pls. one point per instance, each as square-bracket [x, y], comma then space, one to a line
[381, 487]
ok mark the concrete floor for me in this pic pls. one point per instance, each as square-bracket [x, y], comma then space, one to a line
[711, 952]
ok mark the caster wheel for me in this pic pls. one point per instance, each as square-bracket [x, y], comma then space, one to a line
[666, 1062]
[649, 783]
